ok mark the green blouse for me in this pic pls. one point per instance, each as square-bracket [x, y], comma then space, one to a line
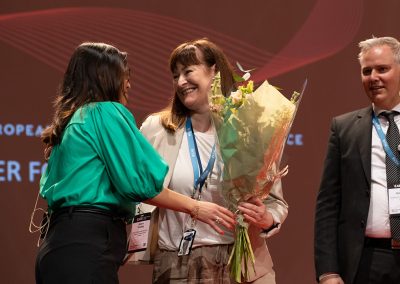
[103, 160]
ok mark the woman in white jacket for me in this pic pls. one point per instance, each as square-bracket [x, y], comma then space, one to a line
[184, 136]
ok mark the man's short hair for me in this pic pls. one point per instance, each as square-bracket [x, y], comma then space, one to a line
[367, 44]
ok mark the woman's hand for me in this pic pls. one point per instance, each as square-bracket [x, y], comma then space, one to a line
[207, 212]
[214, 215]
[255, 213]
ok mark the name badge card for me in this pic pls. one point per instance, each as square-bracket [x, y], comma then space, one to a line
[394, 201]
[185, 247]
[139, 233]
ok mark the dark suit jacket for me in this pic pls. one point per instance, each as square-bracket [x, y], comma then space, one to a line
[344, 196]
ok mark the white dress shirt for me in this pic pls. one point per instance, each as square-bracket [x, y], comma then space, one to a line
[378, 224]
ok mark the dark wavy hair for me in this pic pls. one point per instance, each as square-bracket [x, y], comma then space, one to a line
[173, 116]
[95, 73]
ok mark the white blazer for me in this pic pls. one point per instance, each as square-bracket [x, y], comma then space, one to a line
[168, 144]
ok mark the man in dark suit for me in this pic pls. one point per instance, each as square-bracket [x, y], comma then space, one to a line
[354, 238]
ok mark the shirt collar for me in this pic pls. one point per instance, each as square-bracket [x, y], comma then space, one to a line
[378, 110]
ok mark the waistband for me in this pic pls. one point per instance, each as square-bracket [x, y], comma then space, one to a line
[382, 243]
[70, 210]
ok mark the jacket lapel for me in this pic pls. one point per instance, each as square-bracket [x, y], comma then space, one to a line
[364, 138]
[169, 149]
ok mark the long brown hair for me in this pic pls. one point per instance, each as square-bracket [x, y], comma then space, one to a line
[95, 73]
[173, 116]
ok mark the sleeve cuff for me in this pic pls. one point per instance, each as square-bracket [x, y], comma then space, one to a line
[327, 276]
[264, 232]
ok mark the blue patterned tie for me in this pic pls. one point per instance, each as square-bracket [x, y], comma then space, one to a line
[392, 171]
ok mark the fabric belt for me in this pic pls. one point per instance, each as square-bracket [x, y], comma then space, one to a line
[383, 243]
[89, 210]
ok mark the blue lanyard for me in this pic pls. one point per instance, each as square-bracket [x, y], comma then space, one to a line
[200, 176]
[385, 144]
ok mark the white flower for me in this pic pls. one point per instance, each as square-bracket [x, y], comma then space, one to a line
[246, 76]
[237, 97]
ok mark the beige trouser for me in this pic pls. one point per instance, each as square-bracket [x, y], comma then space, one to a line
[205, 265]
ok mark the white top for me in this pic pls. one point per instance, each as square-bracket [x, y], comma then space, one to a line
[378, 224]
[172, 224]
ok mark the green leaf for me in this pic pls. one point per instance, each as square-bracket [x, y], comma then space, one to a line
[237, 78]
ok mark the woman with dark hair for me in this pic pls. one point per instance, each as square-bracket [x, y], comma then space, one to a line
[184, 136]
[99, 165]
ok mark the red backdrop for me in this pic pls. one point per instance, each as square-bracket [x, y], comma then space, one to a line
[287, 41]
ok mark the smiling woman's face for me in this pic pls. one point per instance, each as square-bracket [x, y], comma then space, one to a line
[192, 84]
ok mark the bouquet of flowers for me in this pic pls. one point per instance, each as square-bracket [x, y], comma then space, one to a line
[252, 128]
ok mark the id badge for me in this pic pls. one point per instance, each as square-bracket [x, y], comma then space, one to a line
[185, 247]
[394, 201]
[139, 233]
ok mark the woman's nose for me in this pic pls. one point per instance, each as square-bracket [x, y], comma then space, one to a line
[181, 80]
